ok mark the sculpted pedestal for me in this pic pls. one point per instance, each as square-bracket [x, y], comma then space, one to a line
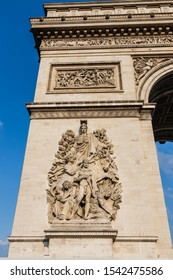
[89, 240]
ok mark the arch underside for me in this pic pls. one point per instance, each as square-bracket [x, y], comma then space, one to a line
[162, 119]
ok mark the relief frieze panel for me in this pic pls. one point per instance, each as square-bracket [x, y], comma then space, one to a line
[142, 65]
[85, 78]
[80, 78]
[83, 180]
[125, 41]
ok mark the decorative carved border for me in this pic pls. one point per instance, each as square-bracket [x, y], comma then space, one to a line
[84, 114]
[94, 109]
[114, 42]
[145, 115]
[81, 234]
[91, 112]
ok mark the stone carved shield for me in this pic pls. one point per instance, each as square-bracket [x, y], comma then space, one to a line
[83, 179]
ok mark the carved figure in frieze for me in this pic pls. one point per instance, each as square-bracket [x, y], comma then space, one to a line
[65, 200]
[86, 143]
[83, 179]
[124, 41]
[142, 65]
[85, 78]
[87, 187]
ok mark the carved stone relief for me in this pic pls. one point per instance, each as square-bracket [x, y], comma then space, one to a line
[162, 68]
[84, 78]
[142, 65]
[94, 113]
[95, 77]
[134, 41]
[83, 179]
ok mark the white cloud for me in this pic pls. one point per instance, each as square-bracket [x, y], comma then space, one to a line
[166, 163]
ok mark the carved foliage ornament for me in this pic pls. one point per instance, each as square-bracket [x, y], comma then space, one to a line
[83, 179]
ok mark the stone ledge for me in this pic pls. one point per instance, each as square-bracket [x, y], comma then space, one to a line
[137, 239]
[52, 233]
[90, 110]
[77, 229]
[124, 18]
[26, 238]
[81, 234]
[117, 104]
[81, 226]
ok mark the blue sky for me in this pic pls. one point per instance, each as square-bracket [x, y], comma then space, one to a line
[19, 66]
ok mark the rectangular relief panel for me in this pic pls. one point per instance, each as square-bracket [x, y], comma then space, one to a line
[85, 77]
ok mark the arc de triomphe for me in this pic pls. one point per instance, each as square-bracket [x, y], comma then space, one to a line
[90, 186]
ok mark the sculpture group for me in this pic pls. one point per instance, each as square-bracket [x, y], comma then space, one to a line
[83, 179]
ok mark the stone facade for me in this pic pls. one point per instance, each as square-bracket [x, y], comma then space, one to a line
[98, 62]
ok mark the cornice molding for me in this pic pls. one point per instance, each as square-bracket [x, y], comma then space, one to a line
[101, 4]
[26, 238]
[108, 35]
[90, 110]
[85, 234]
[127, 24]
[81, 234]
[109, 18]
[137, 239]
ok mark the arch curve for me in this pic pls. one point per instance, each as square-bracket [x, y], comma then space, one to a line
[151, 78]
[158, 88]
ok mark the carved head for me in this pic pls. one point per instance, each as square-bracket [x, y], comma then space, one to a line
[83, 127]
[71, 156]
[66, 185]
[85, 163]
